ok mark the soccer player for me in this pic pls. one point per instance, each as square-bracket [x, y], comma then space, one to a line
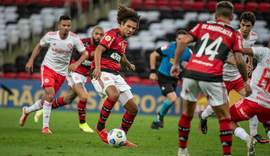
[167, 83]
[54, 66]
[214, 40]
[105, 75]
[77, 79]
[232, 77]
[258, 102]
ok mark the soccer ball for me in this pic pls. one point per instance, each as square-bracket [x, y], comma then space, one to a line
[117, 137]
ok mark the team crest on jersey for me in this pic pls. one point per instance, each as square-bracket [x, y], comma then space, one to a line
[46, 80]
[108, 38]
[92, 53]
[76, 78]
[69, 45]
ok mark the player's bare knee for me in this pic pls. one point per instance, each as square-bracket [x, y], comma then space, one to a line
[68, 100]
[172, 100]
[114, 96]
[134, 110]
[49, 97]
[84, 97]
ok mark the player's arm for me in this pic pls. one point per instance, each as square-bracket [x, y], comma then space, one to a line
[175, 70]
[74, 66]
[231, 61]
[250, 65]
[97, 56]
[29, 65]
[128, 65]
[153, 75]
[248, 51]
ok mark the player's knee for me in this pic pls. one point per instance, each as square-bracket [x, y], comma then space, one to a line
[114, 96]
[50, 97]
[172, 100]
[84, 97]
[134, 110]
[68, 100]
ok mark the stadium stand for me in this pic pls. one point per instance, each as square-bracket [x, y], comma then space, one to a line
[27, 19]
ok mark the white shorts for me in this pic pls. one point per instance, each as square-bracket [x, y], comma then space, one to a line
[215, 92]
[108, 79]
[74, 77]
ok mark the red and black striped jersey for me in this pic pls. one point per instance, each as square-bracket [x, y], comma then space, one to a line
[214, 40]
[115, 48]
[85, 66]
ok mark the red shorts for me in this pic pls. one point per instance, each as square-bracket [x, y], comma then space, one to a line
[246, 109]
[236, 85]
[50, 78]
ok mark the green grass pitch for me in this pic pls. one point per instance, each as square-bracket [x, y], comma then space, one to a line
[68, 140]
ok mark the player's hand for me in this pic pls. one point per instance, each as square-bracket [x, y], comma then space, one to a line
[249, 69]
[131, 67]
[175, 71]
[247, 89]
[96, 74]
[153, 77]
[29, 67]
[72, 67]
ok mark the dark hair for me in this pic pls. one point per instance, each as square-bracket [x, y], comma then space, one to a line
[224, 8]
[64, 17]
[125, 13]
[181, 32]
[248, 17]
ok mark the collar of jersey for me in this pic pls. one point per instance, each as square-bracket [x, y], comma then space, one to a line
[223, 21]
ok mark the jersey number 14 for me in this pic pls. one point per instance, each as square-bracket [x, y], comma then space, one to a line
[209, 49]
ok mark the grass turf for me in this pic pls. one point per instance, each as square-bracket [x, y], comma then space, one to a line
[68, 140]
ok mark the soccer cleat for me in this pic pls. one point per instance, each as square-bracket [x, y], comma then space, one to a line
[130, 144]
[154, 125]
[182, 152]
[37, 115]
[103, 134]
[202, 124]
[84, 127]
[23, 117]
[260, 140]
[46, 130]
[160, 120]
[251, 143]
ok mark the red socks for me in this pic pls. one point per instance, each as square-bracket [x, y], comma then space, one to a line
[183, 130]
[59, 102]
[127, 121]
[106, 110]
[82, 111]
[226, 135]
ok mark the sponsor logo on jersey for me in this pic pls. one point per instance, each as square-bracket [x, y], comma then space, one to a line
[171, 60]
[108, 38]
[106, 79]
[92, 53]
[54, 44]
[60, 51]
[267, 61]
[163, 88]
[46, 80]
[164, 47]
[76, 78]
[69, 45]
[116, 57]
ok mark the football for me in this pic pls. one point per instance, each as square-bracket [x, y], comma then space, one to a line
[117, 137]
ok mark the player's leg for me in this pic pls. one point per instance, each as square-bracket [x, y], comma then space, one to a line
[190, 93]
[217, 97]
[127, 101]
[83, 95]
[203, 115]
[47, 106]
[267, 130]
[238, 131]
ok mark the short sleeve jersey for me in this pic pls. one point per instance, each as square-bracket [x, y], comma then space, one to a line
[59, 52]
[230, 71]
[85, 66]
[115, 48]
[214, 40]
[260, 81]
[167, 52]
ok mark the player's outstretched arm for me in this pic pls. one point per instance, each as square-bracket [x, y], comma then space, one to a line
[97, 56]
[29, 65]
[248, 51]
[128, 65]
[241, 65]
[153, 75]
[74, 66]
[175, 70]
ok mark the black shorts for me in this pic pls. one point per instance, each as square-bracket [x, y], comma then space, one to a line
[167, 84]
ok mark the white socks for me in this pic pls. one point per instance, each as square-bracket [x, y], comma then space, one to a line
[207, 112]
[34, 107]
[268, 134]
[46, 113]
[240, 133]
[253, 124]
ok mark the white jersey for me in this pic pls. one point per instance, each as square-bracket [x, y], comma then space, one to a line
[230, 71]
[260, 81]
[58, 55]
